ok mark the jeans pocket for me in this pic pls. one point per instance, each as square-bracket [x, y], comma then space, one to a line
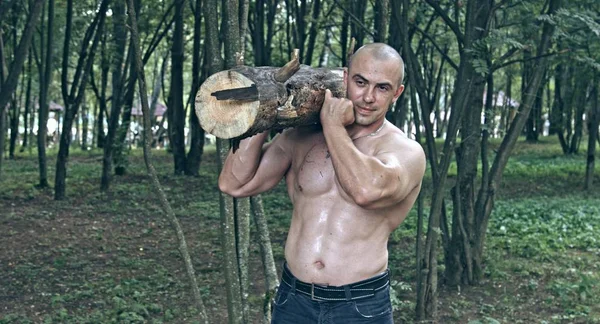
[378, 305]
[283, 292]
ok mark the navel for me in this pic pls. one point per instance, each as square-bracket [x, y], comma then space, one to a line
[319, 265]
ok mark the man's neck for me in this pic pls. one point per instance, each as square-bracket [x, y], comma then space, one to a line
[356, 131]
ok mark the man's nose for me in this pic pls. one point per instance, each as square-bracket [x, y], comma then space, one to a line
[369, 96]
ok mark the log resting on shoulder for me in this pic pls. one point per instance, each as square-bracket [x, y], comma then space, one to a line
[243, 101]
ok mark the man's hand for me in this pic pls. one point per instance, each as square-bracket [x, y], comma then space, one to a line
[336, 111]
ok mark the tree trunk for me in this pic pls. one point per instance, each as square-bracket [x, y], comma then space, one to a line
[357, 31]
[266, 253]
[593, 123]
[73, 100]
[557, 120]
[242, 234]
[177, 123]
[121, 146]
[120, 42]
[28, 110]
[194, 156]
[228, 103]
[84, 125]
[312, 34]
[105, 66]
[44, 102]
[381, 14]
[579, 101]
[14, 124]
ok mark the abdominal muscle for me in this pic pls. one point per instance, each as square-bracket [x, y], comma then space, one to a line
[332, 242]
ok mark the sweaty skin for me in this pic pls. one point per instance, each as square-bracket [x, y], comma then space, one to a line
[351, 181]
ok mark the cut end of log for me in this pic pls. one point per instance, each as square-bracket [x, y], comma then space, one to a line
[226, 117]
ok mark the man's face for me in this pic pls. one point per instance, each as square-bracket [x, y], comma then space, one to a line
[372, 85]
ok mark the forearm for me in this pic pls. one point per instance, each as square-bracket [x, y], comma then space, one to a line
[239, 167]
[359, 175]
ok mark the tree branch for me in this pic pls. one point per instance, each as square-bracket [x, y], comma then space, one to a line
[356, 20]
[442, 52]
[497, 67]
[451, 23]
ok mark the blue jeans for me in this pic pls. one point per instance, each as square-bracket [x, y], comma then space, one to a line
[292, 307]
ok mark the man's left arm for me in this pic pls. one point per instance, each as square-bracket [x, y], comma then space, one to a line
[381, 180]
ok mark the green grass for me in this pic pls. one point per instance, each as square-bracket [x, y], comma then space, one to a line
[112, 257]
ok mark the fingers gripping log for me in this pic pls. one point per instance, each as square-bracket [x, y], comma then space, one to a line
[244, 101]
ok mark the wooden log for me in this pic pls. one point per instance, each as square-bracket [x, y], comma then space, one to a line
[244, 101]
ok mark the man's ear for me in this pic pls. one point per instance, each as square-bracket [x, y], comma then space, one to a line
[398, 92]
[345, 75]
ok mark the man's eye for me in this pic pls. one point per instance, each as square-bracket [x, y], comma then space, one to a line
[360, 82]
[383, 88]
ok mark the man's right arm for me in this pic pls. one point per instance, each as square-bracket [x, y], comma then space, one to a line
[255, 167]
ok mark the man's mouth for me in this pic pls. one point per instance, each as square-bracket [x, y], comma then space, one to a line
[364, 111]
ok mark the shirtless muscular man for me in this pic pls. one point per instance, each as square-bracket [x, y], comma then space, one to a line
[352, 180]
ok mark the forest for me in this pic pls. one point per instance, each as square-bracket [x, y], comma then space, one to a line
[110, 210]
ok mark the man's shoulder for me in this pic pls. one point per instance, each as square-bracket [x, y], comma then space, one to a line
[397, 140]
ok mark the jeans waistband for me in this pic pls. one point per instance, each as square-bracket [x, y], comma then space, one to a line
[358, 290]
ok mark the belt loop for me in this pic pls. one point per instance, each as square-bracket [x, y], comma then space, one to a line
[293, 284]
[347, 292]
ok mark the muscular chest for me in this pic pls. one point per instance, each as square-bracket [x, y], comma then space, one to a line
[314, 171]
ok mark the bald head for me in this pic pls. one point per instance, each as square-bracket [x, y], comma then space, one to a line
[380, 52]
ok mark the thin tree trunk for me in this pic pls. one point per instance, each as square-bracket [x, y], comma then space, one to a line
[578, 102]
[105, 66]
[242, 231]
[152, 171]
[73, 100]
[120, 42]
[122, 146]
[177, 123]
[28, 109]
[266, 253]
[44, 101]
[381, 13]
[84, 124]
[194, 156]
[593, 123]
[419, 253]
[312, 35]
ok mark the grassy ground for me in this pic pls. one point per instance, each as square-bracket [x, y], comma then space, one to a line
[112, 258]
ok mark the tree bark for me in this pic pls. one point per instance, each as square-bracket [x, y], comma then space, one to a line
[287, 103]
